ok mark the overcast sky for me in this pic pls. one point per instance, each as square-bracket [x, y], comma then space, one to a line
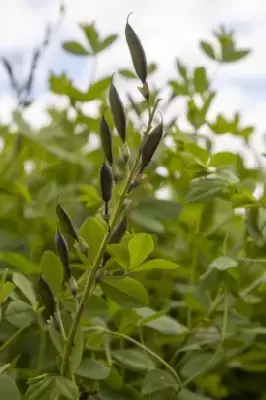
[167, 28]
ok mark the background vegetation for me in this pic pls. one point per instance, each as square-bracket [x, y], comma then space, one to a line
[180, 312]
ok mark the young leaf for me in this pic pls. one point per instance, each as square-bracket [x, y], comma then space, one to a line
[157, 264]
[52, 272]
[223, 263]
[75, 48]
[140, 246]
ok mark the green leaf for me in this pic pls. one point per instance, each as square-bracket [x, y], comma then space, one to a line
[25, 287]
[8, 388]
[41, 390]
[92, 36]
[160, 323]
[5, 290]
[199, 154]
[56, 338]
[52, 272]
[66, 388]
[93, 231]
[140, 246]
[19, 262]
[93, 369]
[223, 263]
[127, 292]
[127, 73]
[90, 196]
[97, 89]
[158, 380]
[200, 80]
[188, 395]
[157, 264]
[120, 253]
[77, 351]
[76, 48]
[19, 313]
[133, 359]
[108, 41]
[222, 158]
[208, 49]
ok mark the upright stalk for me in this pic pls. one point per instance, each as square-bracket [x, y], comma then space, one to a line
[90, 283]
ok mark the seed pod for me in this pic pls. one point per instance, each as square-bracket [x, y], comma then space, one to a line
[116, 237]
[106, 184]
[65, 222]
[137, 53]
[62, 251]
[150, 145]
[46, 297]
[106, 139]
[118, 112]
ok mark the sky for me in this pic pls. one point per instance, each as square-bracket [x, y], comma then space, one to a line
[167, 28]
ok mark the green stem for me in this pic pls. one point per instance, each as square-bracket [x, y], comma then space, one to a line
[90, 283]
[42, 340]
[13, 338]
[225, 316]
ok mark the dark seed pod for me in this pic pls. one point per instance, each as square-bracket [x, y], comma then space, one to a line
[150, 145]
[106, 139]
[65, 222]
[137, 53]
[118, 112]
[46, 298]
[116, 237]
[106, 184]
[62, 251]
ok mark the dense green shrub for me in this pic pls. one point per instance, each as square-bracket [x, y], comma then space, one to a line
[132, 296]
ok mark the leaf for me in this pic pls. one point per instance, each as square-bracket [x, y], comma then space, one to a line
[19, 313]
[77, 351]
[223, 263]
[222, 158]
[127, 292]
[5, 290]
[25, 286]
[120, 253]
[160, 323]
[208, 49]
[41, 390]
[188, 395]
[90, 195]
[92, 231]
[19, 262]
[92, 36]
[157, 264]
[56, 338]
[97, 89]
[127, 73]
[76, 48]
[158, 380]
[52, 272]
[108, 41]
[66, 388]
[93, 369]
[140, 246]
[8, 388]
[133, 359]
[200, 80]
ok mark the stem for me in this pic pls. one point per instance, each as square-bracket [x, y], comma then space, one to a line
[42, 341]
[90, 284]
[61, 325]
[225, 316]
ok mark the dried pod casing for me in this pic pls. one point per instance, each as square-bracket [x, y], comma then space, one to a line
[106, 139]
[106, 182]
[65, 222]
[116, 237]
[118, 112]
[137, 53]
[150, 145]
[46, 297]
[62, 251]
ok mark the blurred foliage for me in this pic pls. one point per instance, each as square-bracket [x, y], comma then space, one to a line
[187, 321]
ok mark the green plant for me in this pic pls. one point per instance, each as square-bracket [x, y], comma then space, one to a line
[146, 298]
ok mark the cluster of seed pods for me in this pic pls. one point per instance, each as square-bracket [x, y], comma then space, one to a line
[148, 148]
